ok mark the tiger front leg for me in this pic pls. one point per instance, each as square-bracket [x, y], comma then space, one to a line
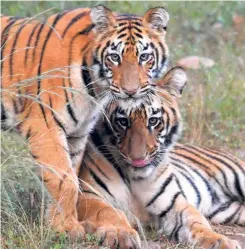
[192, 227]
[110, 225]
[49, 147]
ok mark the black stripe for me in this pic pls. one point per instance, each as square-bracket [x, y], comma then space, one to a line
[81, 166]
[122, 29]
[167, 119]
[99, 181]
[34, 156]
[222, 208]
[224, 155]
[227, 156]
[68, 105]
[122, 23]
[157, 58]
[137, 23]
[129, 16]
[177, 163]
[163, 55]
[20, 93]
[43, 112]
[29, 42]
[14, 18]
[97, 167]
[54, 116]
[13, 49]
[4, 37]
[3, 117]
[197, 163]
[139, 35]
[129, 19]
[3, 112]
[121, 36]
[163, 213]
[180, 187]
[86, 78]
[87, 29]
[198, 195]
[71, 113]
[36, 41]
[232, 216]
[73, 21]
[237, 180]
[83, 32]
[169, 137]
[135, 27]
[6, 30]
[89, 192]
[28, 135]
[177, 227]
[102, 54]
[203, 166]
[16, 109]
[176, 235]
[162, 189]
[106, 153]
[39, 81]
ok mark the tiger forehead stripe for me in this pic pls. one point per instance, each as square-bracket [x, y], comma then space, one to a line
[128, 17]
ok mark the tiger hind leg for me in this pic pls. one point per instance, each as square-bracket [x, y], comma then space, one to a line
[229, 213]
[194, 228]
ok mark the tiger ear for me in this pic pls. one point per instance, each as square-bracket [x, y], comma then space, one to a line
[174, 81]
[102, 18]
[156, 20]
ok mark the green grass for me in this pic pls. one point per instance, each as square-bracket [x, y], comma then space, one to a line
[213, 107]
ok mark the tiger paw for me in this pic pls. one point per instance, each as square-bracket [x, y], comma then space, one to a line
[218, 242]
[71, 226]
[115, 236]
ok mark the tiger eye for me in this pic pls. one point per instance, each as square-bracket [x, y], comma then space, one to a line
[122, 121]
[153, 121]
[115, 57]
[144, 57]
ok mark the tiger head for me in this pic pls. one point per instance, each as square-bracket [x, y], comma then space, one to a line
[144, 135]
[130, 51]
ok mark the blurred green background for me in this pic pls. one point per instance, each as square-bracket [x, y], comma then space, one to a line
[213, 104]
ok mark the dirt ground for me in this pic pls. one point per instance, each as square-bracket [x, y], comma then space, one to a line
[232, 232]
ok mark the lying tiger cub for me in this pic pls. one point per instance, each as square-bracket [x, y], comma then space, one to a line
[133, 163]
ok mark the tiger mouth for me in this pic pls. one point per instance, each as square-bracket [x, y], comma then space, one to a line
[139, 163]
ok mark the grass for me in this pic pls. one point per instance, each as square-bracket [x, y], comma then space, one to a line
[213, 108]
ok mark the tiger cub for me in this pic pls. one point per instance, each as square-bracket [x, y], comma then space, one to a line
[134, 163]
[58, 75]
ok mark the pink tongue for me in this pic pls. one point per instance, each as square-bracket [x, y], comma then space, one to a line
[139, 163]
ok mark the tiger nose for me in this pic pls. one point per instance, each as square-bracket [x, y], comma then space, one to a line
[130, 92]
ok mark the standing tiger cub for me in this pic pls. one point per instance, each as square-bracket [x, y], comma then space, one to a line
[57, 76]
[135, 164]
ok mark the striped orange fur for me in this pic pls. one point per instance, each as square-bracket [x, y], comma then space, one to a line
[135, 164]
[58, 75]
